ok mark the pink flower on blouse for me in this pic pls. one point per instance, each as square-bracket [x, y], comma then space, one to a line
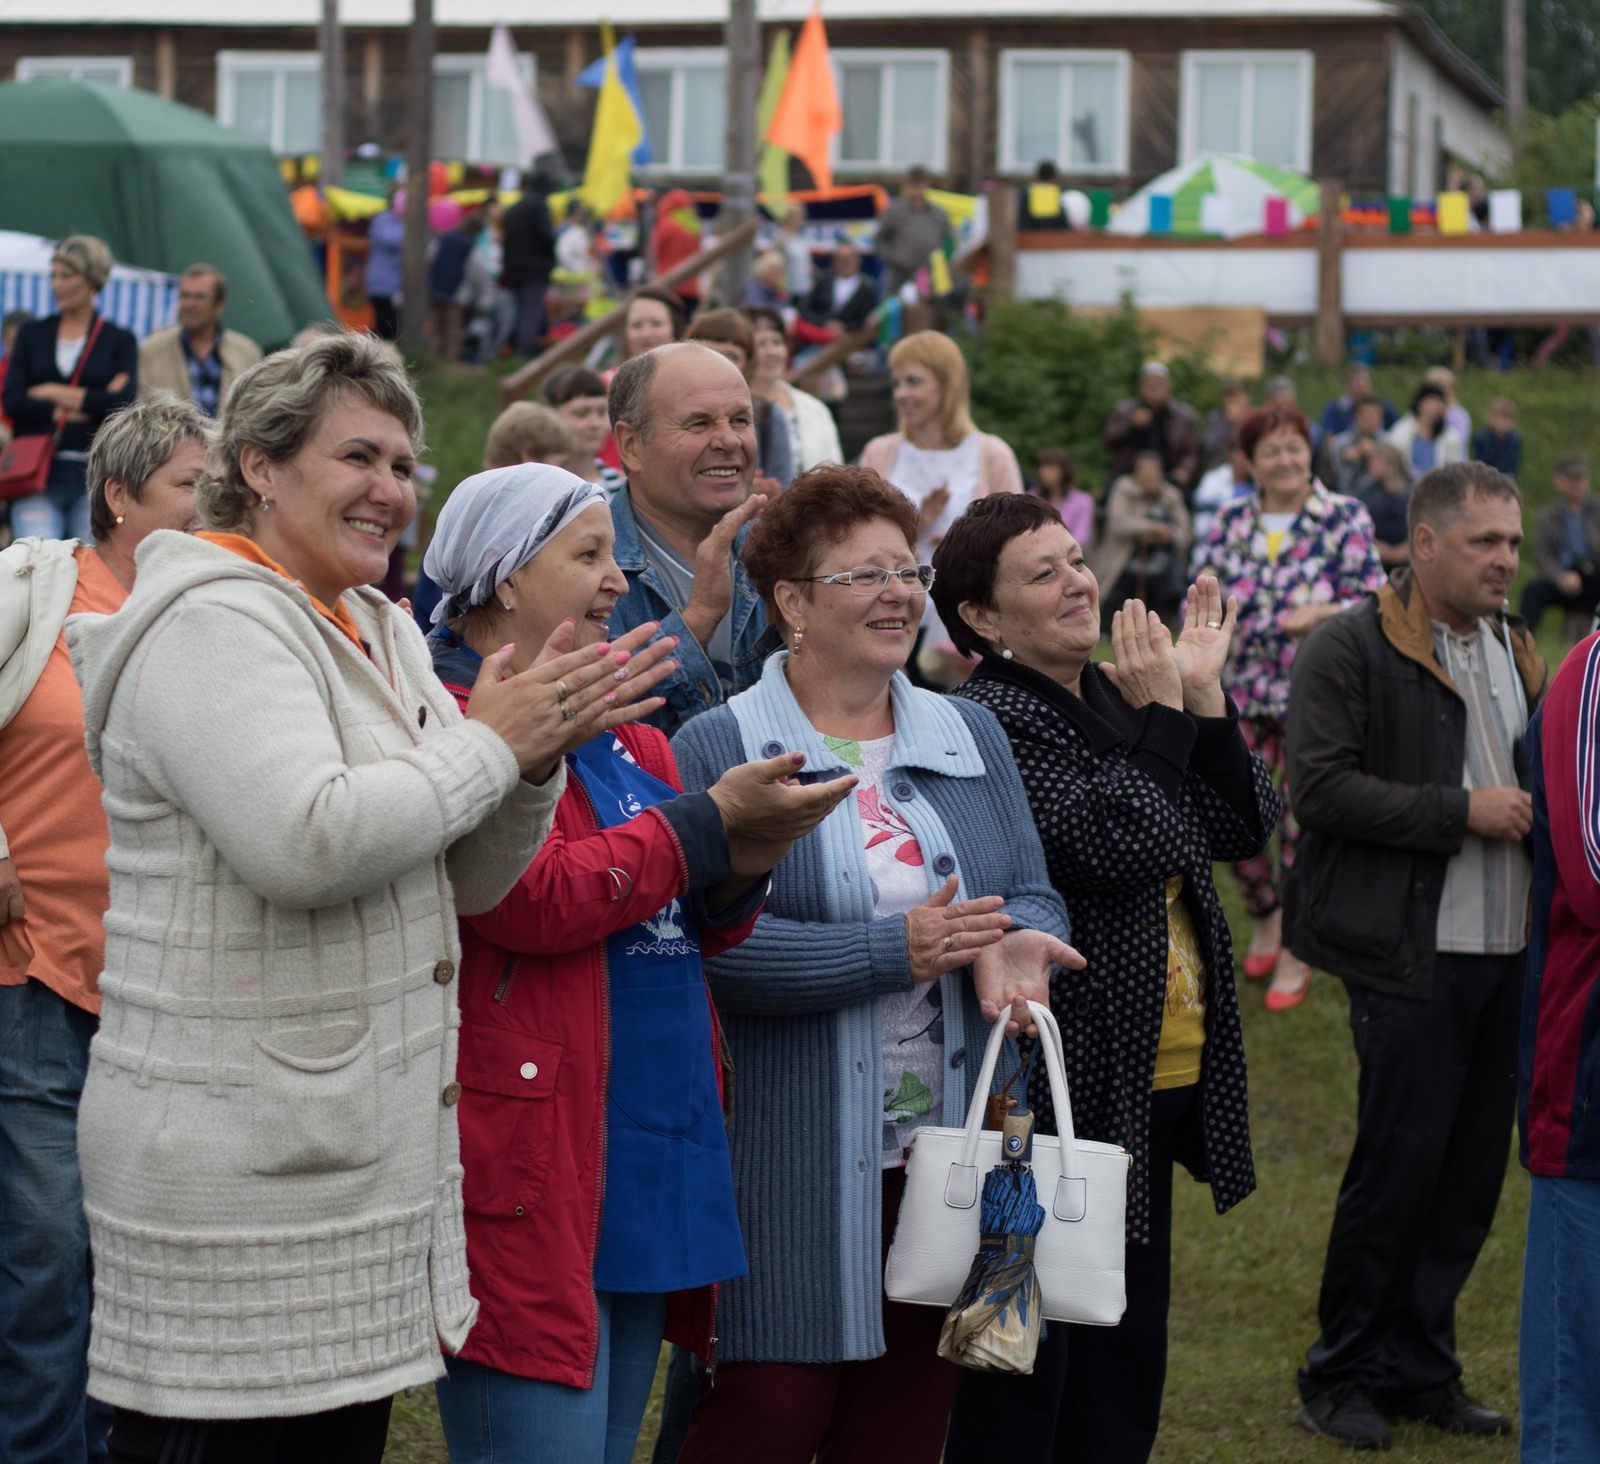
[885, 823]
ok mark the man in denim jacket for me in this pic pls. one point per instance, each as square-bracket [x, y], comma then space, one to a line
[685, 430]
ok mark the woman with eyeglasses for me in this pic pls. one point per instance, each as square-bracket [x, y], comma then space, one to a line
[914, 916]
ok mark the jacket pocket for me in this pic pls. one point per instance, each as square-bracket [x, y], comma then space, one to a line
[1359, 901]
[312, 1113]
[507, 1116]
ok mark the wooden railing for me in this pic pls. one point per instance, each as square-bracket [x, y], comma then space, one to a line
[521, 382]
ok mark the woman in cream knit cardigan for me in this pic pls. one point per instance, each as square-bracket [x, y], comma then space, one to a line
[298, 811]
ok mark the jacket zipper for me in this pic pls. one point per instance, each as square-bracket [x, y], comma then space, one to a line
[502, 991]
[605, 1085]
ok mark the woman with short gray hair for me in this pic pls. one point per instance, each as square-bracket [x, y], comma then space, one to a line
[53, 894]
[298, 811]
[67, 374]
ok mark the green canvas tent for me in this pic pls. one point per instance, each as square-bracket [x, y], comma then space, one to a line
[165, 186]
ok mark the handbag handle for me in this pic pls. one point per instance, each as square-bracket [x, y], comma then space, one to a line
[961, 1190]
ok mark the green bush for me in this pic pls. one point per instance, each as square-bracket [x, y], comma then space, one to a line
[1044, 376]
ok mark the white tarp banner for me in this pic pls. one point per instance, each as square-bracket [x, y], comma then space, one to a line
[140, 300]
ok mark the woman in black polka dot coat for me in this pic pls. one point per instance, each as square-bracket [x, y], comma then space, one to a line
[1135, 774]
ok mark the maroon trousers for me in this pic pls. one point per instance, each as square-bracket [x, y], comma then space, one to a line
[893, 1407]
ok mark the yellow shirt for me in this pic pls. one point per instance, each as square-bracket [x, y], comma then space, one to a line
[1183, 1023]
[1274, 544]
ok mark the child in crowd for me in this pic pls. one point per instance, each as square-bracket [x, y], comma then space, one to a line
[1058, 482]
[579, 395]
[1498, 442]
[1387, 496]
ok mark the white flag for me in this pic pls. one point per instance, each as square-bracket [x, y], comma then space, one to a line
[534, 134]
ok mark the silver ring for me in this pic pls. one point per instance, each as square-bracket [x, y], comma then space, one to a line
[1213, 625]
[567, 714]
[563, 691]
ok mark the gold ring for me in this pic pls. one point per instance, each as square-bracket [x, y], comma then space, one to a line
[949, 941]
[563, 691]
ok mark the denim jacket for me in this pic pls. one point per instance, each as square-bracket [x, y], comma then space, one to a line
[695, 686]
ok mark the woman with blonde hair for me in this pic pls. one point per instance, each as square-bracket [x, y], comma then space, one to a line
[939, 460]
[65, 375]
[298, 812]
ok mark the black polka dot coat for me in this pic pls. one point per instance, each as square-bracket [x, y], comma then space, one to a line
[1124, 799]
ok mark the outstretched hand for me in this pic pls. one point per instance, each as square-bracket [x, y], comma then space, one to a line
[765, 809]
[943, 933]
[1010, 974]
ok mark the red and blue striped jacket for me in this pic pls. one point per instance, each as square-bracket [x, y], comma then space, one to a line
[1558, 1070]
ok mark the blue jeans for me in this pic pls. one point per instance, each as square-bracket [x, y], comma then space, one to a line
[494, 1417]
[44, 1239]
[1559, 1354]
[61, 511]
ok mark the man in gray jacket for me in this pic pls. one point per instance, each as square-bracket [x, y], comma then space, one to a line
[1566, 545]
[909, 231]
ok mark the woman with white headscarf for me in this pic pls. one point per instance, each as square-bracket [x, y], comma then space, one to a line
[598, 1190]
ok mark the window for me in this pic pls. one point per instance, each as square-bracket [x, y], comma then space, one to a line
[272, 96]
[685, 96]
[1069, 108]
[106, 70]
[471, 123]
[1253, 102]
[895, 112]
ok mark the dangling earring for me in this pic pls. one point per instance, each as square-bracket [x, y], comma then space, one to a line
[799, 636]
[119, 518]
[265, 505]
[506, 603]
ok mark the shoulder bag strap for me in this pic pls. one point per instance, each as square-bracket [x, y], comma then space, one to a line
[83, 358]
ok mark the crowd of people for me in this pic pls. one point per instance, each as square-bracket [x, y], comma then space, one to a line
[487, 1003]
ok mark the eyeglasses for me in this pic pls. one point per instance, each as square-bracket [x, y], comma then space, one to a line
[869, 579]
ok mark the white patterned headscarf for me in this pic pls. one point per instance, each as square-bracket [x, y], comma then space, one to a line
[493, 524]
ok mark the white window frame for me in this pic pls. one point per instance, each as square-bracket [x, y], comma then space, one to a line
[230, 63]
[1189, 105]
[475, 64]
[677, 60]
[1118, 166]
[64, 67]
[882, 55]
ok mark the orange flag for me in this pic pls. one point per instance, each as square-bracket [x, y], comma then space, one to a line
[807, 114]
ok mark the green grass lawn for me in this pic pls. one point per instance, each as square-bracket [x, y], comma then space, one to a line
[1245, 1284]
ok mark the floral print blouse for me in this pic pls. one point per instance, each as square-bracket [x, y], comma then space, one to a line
[1327, 556]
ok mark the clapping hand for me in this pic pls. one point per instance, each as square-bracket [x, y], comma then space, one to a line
[765, 809]
[1144, 670]
[1202, 648]
[1016, 970]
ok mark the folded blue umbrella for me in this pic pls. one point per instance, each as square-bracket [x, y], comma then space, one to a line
[994, 1324]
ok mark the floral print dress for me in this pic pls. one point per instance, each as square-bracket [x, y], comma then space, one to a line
[1327, 556]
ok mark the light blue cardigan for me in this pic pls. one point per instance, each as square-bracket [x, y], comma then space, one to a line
[802, 1003]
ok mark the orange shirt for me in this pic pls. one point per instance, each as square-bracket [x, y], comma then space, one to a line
[247, 548]
[50, 810]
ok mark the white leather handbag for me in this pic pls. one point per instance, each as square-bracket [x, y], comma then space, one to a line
[1082, 1185]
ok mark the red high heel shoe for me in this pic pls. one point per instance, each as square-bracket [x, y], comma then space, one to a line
[1258, 968]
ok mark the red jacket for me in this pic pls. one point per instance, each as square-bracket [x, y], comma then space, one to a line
[534, 1066]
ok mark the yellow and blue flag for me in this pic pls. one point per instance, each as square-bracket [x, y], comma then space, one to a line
[618, 131]
[628, 72]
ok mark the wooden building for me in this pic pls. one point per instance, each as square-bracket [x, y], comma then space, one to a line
[1112, 91]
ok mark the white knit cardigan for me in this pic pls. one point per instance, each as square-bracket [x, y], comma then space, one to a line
[267, 1136]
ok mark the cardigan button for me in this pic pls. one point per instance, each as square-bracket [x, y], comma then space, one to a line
[772, 749]
[451, 1094]
[904, 792]
[529, 1069]
[1082, 1008]
[944, 864]
[444, 972]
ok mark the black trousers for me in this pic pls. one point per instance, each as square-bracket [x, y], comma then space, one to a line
[1106, 1406]
[1435, 1104]
[1540, 594]
[385, 318]
[353, 1435]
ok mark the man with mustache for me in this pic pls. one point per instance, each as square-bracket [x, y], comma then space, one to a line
[1406, 715]
[684, 426]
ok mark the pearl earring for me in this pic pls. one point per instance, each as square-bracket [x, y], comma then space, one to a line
[1005, 655]
[265, 505]
[119, 518]
[799, 636]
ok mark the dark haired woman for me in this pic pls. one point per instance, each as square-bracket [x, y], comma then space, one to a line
[1295, 554]
[918, 913]
[813, 434]
[1425, 435]
[1058, 486]
[729, 333]
[579, 395]
[1137, 778]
